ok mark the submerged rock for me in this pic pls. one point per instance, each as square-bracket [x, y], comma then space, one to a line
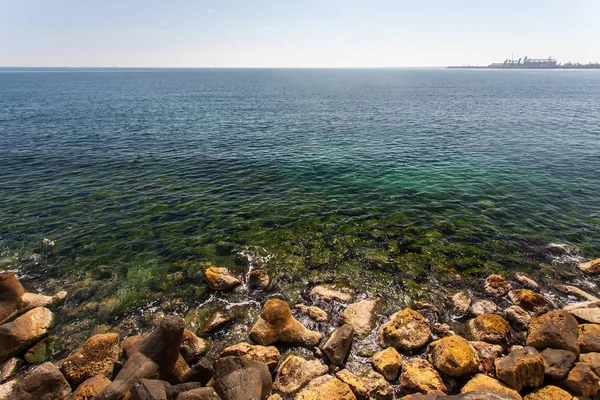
[556, 329]
[239, 379]
[453, 356]
[530, 301]
[296, 372]
[338, 345]
[419, 376]
[490, 328]
[362, 316]
[589, 338]
[220, 278]
[333, 292]
[582, 381]
[313, 312]
[557, 363]
[277, 325]
[265, 354]
[483, 383]
[369, 386]
[24, 331]
[521, 368]
[216, 321]
[97, 356]
[496, 285]
[44, 382]
[326, 387]
[406, 330]
[388, 363]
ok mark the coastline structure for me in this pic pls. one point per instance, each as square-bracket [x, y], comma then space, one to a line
[533, 63]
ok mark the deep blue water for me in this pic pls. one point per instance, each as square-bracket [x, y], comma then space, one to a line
[366, 176]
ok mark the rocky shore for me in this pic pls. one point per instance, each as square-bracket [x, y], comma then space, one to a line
[512, 343]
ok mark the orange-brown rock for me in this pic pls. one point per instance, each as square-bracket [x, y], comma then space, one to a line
[591, 267]
[24, 331]
[97, 356]
[496, 285]
[295, 372]
[483, 383]
[419, 376]
[266, 354]
[530, 301]
[589, 338]
[453, 356]
[488, 353]
[490, 328]
[193, 347]
[582, 381]
[388, 363]
[368, 386]
[406, 330]
[549, 393]
[90, 388]
[326, 387]
[593, 360]
[521, 368]
[556, 329]
[220, 278]
[277, 325]
[362, 316]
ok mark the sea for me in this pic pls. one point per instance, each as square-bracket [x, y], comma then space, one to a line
[122, 185]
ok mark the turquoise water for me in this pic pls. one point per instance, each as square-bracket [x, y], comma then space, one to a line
[390, 180]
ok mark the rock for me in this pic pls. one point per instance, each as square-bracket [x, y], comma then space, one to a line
[591, 267]
[149, 389]
[333, 292]
[42, 351]
[441, 330]
[530, 301]
[326, 387]
[10, 295]
[406, 330]
[525, 280]
[202, 372]
[588, 311]
[295, 372]
[488, 353]
[557, 363]
[484, 383]
[556, 329]
[6, 389]
[259, 279]
[131, 344]
[176, 390]
[388, 363]
[91, 387]
[568, 289]
[44, 383]
[480, 307]
[549, 393]
[370, 386]
[239, 379]
[589, 338]
[461, 302]
[216, 321]
[521, 368]
[157, 356]
[582, 381]
[220, 279]
[496, 285]
[361, 316]
[274, 397]
[9, 369]
[490, 328]
[313, 312]
[265, 354]
[419, 376]
[224, 249]
[192, 347]
[24, 331]
[33, 300]
[593, 360]
[97, 356]
[180, 370]
[519, 317]
[206, 393]
[453, 356]
[277, 325]
[337, 346]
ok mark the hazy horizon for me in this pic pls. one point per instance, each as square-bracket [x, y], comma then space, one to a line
[308, 34]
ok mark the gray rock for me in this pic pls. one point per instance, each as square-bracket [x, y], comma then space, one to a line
[337, 346]
[199, 394]
[174, 391]
[149, 389]
[202, 372]
[557, 363]
[239, 379]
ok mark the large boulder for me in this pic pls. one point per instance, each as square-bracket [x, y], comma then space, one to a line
[24, 331]
[483, 383]
[97, 356]
[369, 386]
[220, 279]
[156, 357]
[90, 388]
[336, 348]
[313, 312]
[490, 328]
[557, 363]
[453, 356]
[589, 338]
[556, 329]
[43, 383]
[582, 381]
[277, 325]
[330, 292]
[326, 387]
[523, 367]
[530, 301]
[406, 330]
[239, 379]
[591, 267]
[419, 376]
[388, 363]
[362, 316]
[295, 372]
[265, 354]
[496, 285]
[549, 393]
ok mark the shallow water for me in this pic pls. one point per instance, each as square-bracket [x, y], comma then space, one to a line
[389, 180]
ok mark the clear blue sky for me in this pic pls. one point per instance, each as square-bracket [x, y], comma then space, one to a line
[294, 33]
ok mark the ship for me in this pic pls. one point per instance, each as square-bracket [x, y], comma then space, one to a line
[534, 63]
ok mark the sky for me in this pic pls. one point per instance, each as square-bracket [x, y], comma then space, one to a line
[294, 33]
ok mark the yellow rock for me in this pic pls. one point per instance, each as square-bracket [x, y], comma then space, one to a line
[388, 363]
[482, 382]
[326, 388]
[549, 393]
[453, 356]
